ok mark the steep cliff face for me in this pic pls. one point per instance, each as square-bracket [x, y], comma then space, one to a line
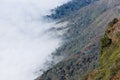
[109, 64]
[80, 48]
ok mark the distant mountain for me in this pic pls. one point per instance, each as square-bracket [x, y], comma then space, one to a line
[84, 29]
[68, 8]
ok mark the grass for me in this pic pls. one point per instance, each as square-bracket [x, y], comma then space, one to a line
[109, 63]
[109, 59]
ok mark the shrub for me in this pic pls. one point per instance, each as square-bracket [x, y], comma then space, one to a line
[115, 20]
[105, 42]
[118, 35]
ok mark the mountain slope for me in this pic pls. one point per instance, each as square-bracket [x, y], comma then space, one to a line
[109, 68]
[80, 48]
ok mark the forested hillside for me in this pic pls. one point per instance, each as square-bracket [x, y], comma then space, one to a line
[80, 50]
[70, 7]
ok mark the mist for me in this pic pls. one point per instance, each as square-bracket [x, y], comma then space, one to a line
[24, 43]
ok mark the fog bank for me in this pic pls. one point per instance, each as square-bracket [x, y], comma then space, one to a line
[24, 43]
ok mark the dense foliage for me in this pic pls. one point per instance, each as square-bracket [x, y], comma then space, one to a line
[105, 42]
[115, 20]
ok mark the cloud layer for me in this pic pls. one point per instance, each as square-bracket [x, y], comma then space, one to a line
[24, 46]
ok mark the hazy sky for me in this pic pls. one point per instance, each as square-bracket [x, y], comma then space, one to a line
[24, 46]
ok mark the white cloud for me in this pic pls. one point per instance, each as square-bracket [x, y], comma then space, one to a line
[23, 44]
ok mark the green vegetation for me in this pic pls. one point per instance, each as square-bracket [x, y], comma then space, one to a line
[109, 63]
[115, 20]
[105, 42]
[118, 35]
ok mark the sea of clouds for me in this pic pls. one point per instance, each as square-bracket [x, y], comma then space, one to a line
[24, 43]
